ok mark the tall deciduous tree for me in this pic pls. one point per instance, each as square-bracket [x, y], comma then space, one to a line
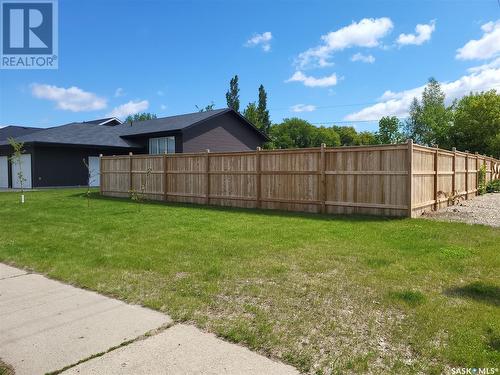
[297, 133]
[325, 135]
[348, 135]
[414, 129]
[233, 94]
[367, 138]
[477, 123]
[208, 107]
[264, 122]
[251, 114]
[292, 133]
[389, 130]
[430, 120]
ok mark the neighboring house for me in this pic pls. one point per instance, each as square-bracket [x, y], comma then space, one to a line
[54, 156]
[105, 121]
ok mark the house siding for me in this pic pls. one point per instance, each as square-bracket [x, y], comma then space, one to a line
[63, 166]
[221, 134]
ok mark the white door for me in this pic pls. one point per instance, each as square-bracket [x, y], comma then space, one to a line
[25, 168]
[4, 172]
[94, 166]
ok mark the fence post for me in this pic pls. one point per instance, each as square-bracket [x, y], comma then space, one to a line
[477, 172]
[258, 178]
[207, 177]
[466, 174]
[131, 185]
[454, 170]
[322, 182]
[409, 183]
[489, 170]
[436, 176]
[100, 174]
[165, 177]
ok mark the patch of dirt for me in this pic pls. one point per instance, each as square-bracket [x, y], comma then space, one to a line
[484, 209]
[315, 328]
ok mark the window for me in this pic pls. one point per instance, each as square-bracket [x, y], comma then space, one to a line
[162, 145]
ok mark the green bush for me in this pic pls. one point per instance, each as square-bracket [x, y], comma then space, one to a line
[493, 186]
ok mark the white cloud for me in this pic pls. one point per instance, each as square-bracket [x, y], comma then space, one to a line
[398, 103]
[163, 107]
[119, 92]
[303, 108]
[310, 81]
[422, 34]
[130, 108]
[363, 58]
[263, 40]
[486, 47]
[365, 33]
[491, 65]
[70, 99]
[160, 93]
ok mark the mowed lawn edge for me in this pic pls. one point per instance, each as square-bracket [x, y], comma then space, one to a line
[326, 294]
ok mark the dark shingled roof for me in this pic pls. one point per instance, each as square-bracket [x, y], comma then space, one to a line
[79, 133]
[166, 124]
[16, 131]
[92, 134]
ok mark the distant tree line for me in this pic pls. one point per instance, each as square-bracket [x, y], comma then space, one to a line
[143, 116]
[471, 123]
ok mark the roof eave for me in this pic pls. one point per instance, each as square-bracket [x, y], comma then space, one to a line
[41, 143]
[179, 129]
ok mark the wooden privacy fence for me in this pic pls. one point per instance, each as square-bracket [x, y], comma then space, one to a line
[388, 180]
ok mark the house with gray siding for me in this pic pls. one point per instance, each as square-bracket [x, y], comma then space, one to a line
[53, 156]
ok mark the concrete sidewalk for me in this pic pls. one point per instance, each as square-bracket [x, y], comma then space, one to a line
[46, 326]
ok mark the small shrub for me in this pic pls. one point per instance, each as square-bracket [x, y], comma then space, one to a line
[90, 178]
[16, 158]
[453, 197]
[139, 196]
[493, 186]
[481, 180]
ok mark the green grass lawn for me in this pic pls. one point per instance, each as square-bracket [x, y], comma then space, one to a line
[325, 294]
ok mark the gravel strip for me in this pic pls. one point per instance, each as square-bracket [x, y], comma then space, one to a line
[484, 209]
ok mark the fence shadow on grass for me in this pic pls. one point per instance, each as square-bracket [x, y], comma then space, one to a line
[251, 211]
[479, 291]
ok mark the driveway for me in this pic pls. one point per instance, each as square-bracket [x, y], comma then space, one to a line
[47, 326]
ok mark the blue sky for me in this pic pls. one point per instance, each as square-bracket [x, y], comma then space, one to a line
[166, 57]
